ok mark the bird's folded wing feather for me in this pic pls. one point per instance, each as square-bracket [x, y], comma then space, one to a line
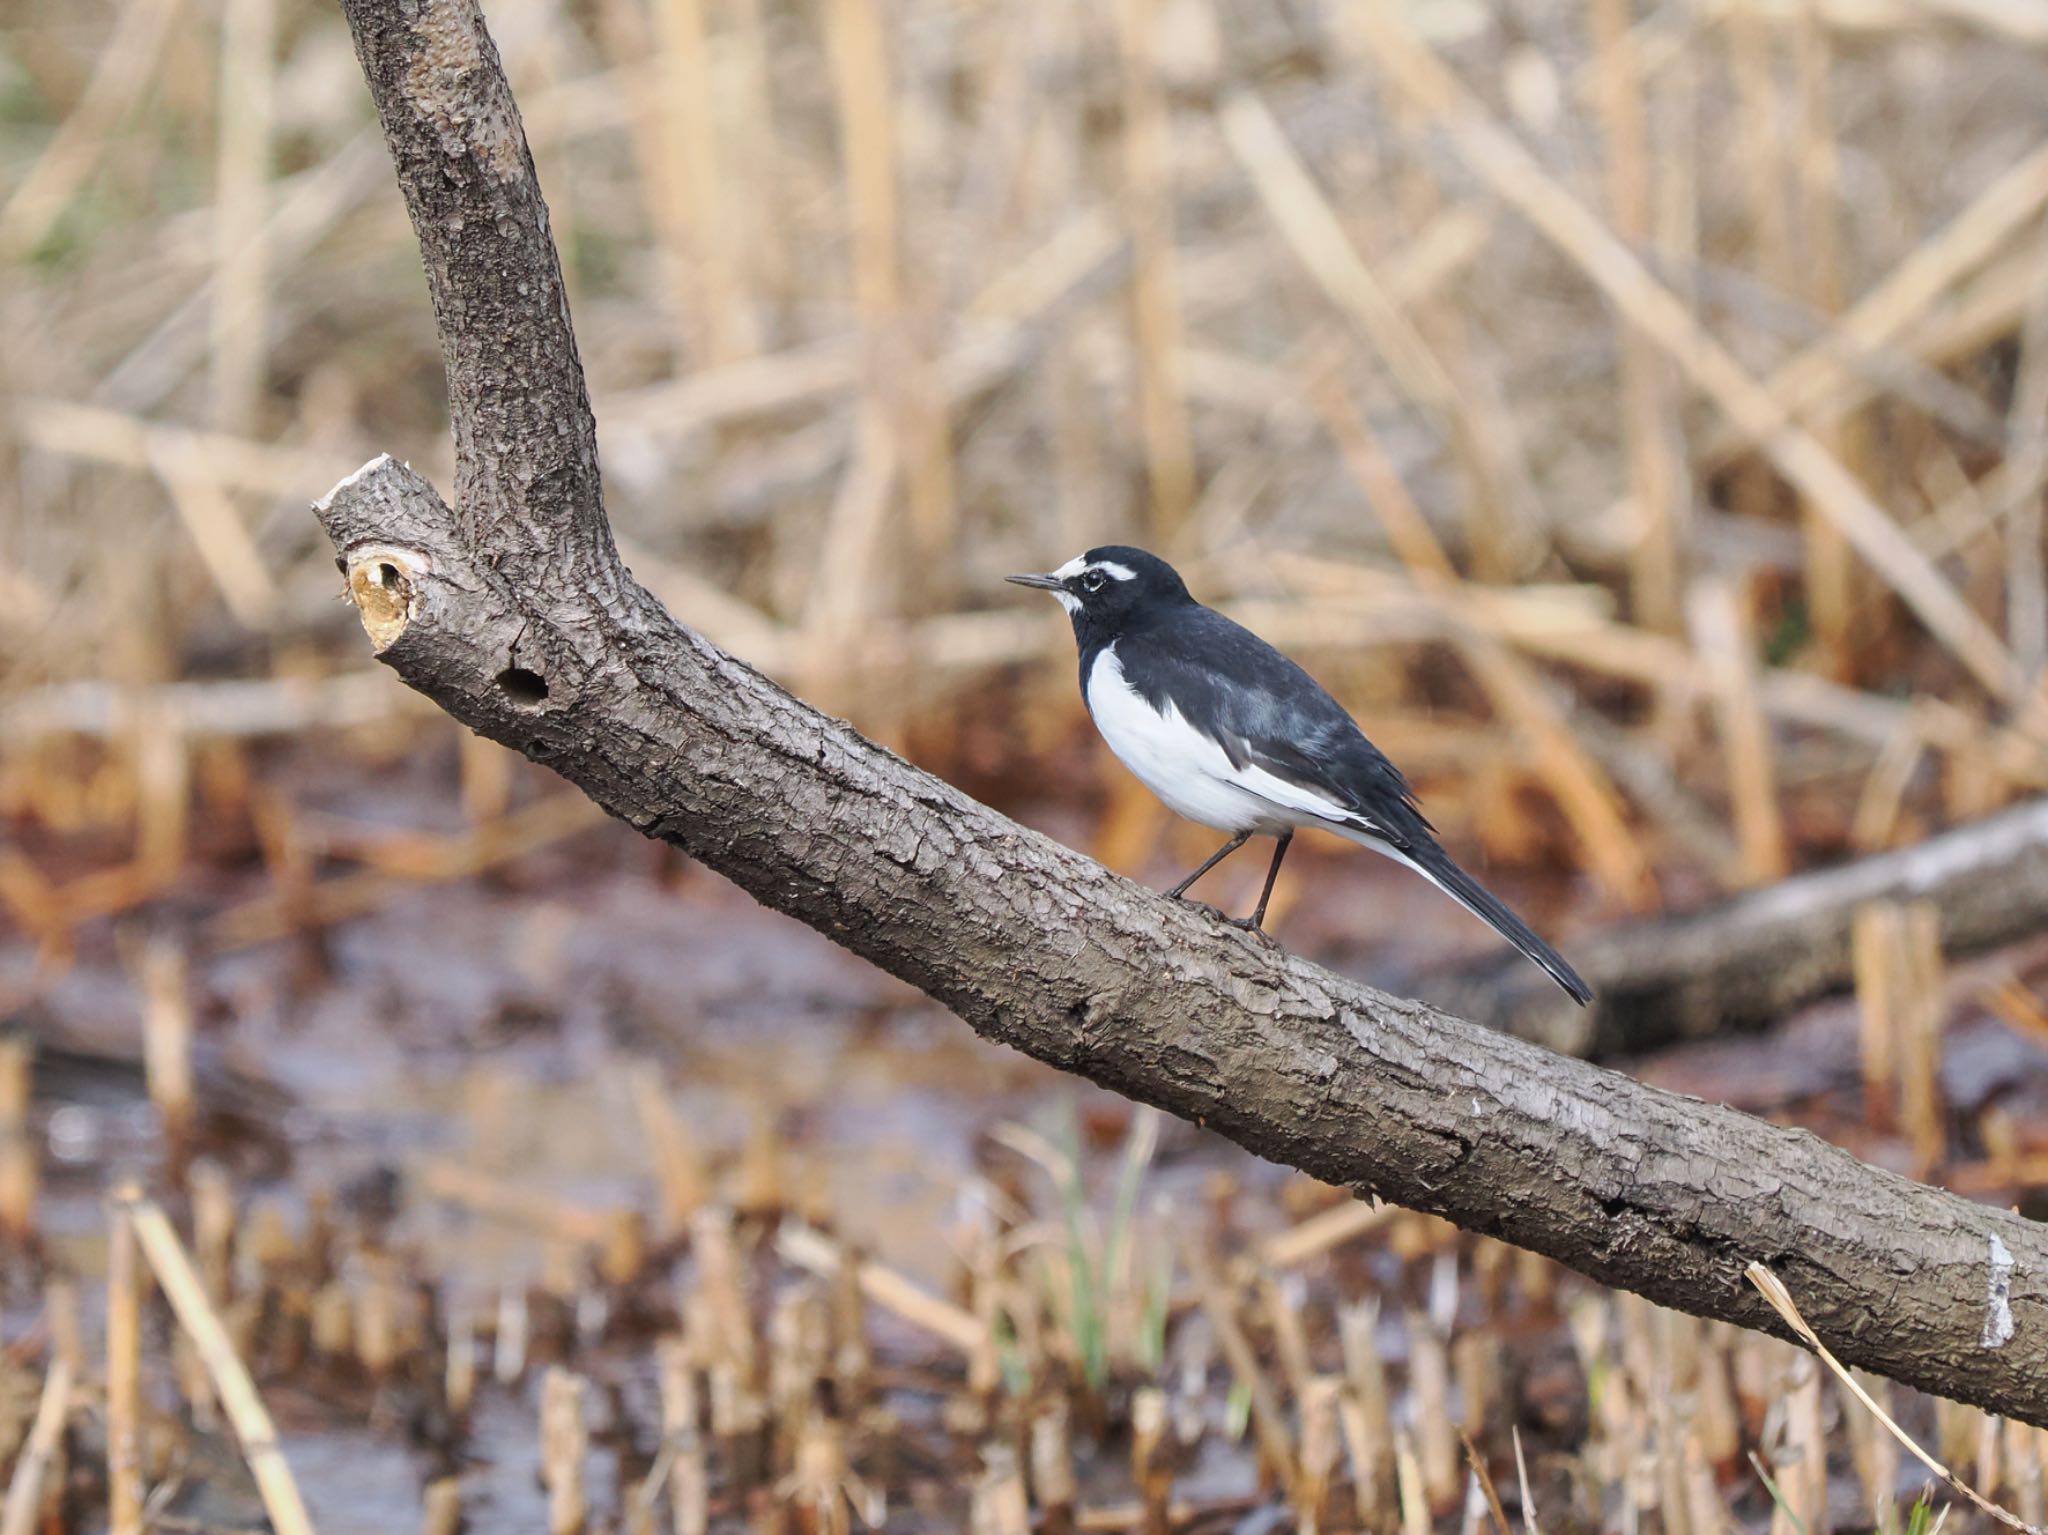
[1272, 719]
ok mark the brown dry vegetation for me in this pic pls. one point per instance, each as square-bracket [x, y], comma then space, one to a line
[1638, 413]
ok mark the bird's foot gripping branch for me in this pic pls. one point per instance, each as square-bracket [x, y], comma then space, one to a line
[511, 610]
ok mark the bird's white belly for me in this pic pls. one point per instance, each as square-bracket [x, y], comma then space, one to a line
[1186, 769]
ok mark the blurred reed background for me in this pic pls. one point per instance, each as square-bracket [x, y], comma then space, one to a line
[1638, 412]
[1635, 411]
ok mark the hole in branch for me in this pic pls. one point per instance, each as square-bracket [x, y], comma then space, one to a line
[387, 574]
[526, 689]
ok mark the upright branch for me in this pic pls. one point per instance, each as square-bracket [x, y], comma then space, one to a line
[513, 613]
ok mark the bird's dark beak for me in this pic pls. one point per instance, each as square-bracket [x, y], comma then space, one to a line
[1042, 583]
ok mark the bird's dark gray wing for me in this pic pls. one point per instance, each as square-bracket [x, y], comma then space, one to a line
[1263, 709]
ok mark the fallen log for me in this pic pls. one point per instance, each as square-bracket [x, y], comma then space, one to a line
[1746, 961]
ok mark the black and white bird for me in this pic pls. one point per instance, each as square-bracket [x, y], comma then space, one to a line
[1230, 733]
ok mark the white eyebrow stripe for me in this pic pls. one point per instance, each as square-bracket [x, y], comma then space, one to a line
[1121, 572]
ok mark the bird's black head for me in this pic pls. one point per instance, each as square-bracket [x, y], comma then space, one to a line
[1105, 590]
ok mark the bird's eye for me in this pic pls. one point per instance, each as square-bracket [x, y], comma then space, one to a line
[1092, 582]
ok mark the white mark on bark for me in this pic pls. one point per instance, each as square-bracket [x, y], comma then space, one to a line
[1998, 1307]
[374, 467]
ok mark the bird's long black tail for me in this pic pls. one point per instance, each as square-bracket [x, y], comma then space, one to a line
[1436, 865]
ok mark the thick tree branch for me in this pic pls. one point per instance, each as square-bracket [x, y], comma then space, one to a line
[512, 612]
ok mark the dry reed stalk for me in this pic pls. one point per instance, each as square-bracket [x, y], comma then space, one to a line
[1750, 48]
[1502, 507]
[444, 861]
[1276, 1448]
[125, 1281]
[1877, 939]
[816, 1253]
[1580, 787]
[163, 784]
[847, 571]
[1515, 175]
[731, 329]
[799, 1349]
[1429, 1381]
[20, 1176]
[689, 1476]
[1922, 1014]
[1830, 572]
[981, 1258]
[997, 1501]
[516, 1203]
[64, 1320]
[22, 1510]
[167, 1044]
[2026, 584]
[1156, 325]
[1819, 383]
[1955, 1437]
[224, 545]
[2024, 1471]
[680, 1435]
[442, 1511]
[121, 74]
[1805, 1480]
[1314, 232]
[1773, 1290]
[241, 305]
[231, 1383]
[1704, 1510]
[1290, 1336]
[1476, 1366]
[376, 1335]
[757, 1182]
[1658, 483]
[1416, 1518]
[1321, 1446]
[1667, 1480]
[1722, 634]
[564, 1446]
[1151, 1462]
[1990, 1462]
[213, 1229]
[1368, 1411]
[1054, 1486]
[458, 1373]
[332, 1321]
[900, 377]
[721, 1285]
[1875, 825]
[1717, 1418]
[678, 1162]
[487, 771]
[509, 1339]
[825, 1495]
[97, 434]
[761, 220]
[1322, 1233]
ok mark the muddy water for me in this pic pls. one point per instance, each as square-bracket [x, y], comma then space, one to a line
[490, 1026]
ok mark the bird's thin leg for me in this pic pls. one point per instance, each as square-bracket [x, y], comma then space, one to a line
[1214, 859]
[1257, 920]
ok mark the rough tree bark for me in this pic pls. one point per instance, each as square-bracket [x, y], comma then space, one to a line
[512, 612]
